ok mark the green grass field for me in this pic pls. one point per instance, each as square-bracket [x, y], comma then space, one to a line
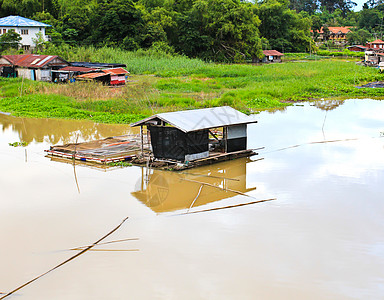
[249, 88]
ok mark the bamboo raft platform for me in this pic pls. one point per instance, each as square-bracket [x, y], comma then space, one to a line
[128, 148]
[104, 151]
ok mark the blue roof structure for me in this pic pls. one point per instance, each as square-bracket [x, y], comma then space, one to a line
[17, 21]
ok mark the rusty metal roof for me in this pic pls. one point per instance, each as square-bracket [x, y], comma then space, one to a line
[199, 119]
[34, 60]
[272, 53]
[116, 71]
[91, 75]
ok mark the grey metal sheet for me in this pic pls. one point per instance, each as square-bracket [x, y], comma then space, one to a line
[198, 119]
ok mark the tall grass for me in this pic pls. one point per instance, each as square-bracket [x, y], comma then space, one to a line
[138, 62]
[245, 87]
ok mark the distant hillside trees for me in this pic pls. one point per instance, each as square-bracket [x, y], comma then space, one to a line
[217, 30]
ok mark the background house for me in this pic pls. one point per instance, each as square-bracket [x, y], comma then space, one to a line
[357, 48]
[376, 45]
[271, 56]
[335, 34]
[25, 27]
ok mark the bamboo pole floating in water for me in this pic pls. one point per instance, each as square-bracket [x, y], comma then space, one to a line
[218, 187]
[110, 242]
[194, 200]
[229, 206]
[311, 143]
[66, 261]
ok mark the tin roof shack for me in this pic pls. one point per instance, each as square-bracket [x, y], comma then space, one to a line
[373, 58]
[102, 77]
[118, 75]
[114, 76]
[184, 136]
[271, 56]
[69, 73]
[32, 66]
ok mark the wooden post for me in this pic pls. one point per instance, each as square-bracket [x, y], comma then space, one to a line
[225, 137]
[142, 140]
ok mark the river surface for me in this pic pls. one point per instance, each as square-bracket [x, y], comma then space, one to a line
[322, 238]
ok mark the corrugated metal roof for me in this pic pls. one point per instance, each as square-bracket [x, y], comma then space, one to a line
[77, 69]
[272, 53]
[91, 75]
[116, 71]
[96, 65]
[32, 60]
[17, 21]
[199, 119]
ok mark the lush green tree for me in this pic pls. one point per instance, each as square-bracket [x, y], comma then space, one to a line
[285, 30]
[310, 6]
[370, 19]
[316, 26]
[159, 24]
[331, 5]
[10, 39]
[221, 30]
[358, 37]
[117, 20]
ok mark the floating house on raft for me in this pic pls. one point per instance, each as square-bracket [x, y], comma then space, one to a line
[174, 140]
[198, 136]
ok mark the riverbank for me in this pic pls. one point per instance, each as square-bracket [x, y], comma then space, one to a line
[248, 88]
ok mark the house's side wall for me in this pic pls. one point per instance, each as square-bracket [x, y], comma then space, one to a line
[24, 73]
[172, 143]
[236, 138]
[26, 39]
[167, 143]
[44, 75]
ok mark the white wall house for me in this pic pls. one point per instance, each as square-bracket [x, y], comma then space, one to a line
[25, 27]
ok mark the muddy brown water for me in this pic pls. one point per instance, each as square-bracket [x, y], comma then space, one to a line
[322, 238]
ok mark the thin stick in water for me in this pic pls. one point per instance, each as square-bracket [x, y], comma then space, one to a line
[105, 243]
[198, 194]
[66, 261]
[226, 207]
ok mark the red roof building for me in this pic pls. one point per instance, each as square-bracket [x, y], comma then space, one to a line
[271, 56]
[33, 66]
[117, 75]
[376, 45]
[336, 34]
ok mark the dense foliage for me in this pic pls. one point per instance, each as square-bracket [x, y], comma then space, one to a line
[245, 87]
[212, 30]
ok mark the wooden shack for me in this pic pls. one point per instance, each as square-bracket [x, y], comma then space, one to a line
[31, 66]
[217, 133]
[271, 56]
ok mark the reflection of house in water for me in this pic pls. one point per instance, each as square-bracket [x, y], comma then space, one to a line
[164, 191]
